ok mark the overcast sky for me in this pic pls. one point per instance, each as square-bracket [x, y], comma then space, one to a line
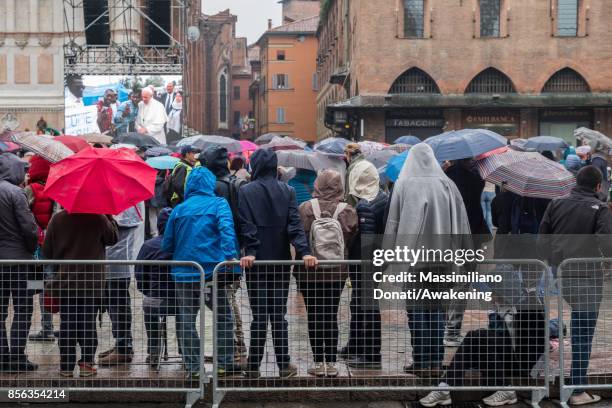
[252, 15]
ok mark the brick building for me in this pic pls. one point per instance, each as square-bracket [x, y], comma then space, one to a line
[241, 80]
[420, 67]
[285, 92]
[209, 75]
[294, 10]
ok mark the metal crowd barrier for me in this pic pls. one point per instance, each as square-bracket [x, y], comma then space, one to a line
[287, 317]
[94, 317]
[584, 305]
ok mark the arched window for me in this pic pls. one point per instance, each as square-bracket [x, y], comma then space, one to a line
[222, 98]
[490, 81]
[414, 81]
[566, 81]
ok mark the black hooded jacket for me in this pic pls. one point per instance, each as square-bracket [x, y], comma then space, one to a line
[215, 159]
[269, 218]
[18, 230]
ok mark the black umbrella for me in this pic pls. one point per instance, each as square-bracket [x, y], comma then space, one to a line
[158, 151]
[136, 139]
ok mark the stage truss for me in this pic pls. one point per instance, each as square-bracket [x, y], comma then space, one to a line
[128, 57]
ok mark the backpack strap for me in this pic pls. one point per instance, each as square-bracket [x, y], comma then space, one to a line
[316, 208]
[339, 208]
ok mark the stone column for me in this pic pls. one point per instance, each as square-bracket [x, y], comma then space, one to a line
[124, 21]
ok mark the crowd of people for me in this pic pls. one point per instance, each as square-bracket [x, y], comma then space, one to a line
[208, 211]
[145, 111]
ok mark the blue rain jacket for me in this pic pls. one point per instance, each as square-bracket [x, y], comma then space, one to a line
[200, 229]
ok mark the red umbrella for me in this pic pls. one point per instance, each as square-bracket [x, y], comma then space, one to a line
[101, 181]
[74, 143]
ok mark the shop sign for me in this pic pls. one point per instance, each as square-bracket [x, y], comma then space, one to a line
[490, 117]
[416, 123]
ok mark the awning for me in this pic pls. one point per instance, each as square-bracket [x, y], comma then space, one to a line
[553, 100]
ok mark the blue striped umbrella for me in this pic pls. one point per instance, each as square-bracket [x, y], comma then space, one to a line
[528, 174]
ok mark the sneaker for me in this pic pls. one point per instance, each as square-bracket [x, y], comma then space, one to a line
[289, 371]
[22, 366]
[41, 336]
[193, 376]
[345, 353]
[252, 373]
[454, 341]
[362, 362]
[87, 370]
[318, 370]
[113, 359]
[66, 374]
[584, 399]
[331, 370]
[500, 398]
[106, 353]
[436, 398]
[229, 371]
[153, 360]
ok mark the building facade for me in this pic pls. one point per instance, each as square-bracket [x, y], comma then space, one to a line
[520, 68]
[209, 74]
[241, 126]
[31, 64]
[286, 88]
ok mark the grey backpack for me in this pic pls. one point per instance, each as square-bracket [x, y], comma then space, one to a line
[326, 238]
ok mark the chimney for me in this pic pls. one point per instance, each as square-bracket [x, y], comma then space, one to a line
[269, 24]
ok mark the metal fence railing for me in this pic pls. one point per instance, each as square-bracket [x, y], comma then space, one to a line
[103, 326]
[321, 330]
[584, 305]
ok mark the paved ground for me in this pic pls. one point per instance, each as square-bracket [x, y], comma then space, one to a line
[396, 352]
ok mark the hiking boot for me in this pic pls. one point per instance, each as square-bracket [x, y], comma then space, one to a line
[584, 399]
[87, 370]
[289, 371]
[362, 362]
[113, 359]
[331, 370]
[436, 398]
[500, 398]
[318, 370]
[106, 353]
[42, 336]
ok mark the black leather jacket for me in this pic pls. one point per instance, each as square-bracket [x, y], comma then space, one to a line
[372, 217]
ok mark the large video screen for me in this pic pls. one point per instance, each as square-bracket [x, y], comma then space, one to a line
[116, 104]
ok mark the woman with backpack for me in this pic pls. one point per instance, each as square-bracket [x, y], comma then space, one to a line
[331, 226]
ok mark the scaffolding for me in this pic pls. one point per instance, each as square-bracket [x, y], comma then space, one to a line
[126, 37]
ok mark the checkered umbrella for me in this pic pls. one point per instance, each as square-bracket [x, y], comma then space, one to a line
[47, 148]
[528, 174]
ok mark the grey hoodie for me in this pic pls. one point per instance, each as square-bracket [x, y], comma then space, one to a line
[18, 230]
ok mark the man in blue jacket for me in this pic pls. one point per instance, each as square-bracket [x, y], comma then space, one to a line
[269, 223]
[201, 229]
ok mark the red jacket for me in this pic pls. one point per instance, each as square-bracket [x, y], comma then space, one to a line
[42, 208]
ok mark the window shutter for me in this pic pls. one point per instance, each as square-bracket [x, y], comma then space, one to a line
[287, 81]
[567, 18]
[274, 82]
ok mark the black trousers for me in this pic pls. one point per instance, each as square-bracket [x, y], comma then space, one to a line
[365, 332]
[322, 300]
[155, 317]
[78, 326]
[120, 312]
[268, 300]
[13, 283]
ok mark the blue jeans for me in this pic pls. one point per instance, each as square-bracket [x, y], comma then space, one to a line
[426, 336]
[188, 300]
[583, 324]
[485, 201]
